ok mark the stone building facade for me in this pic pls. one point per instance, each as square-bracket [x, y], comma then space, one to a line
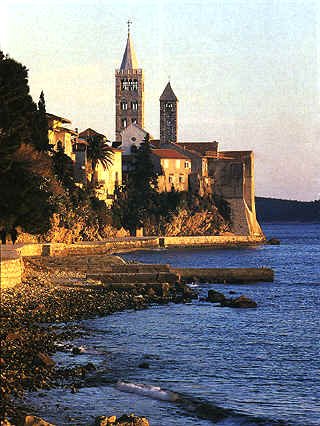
[59, 135]
[173, 169]
[107, 179]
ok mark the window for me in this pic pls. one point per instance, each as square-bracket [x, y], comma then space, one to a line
[132, 85]
[134, 121]
[165, 163]
[171, 178]
[124, 105]
[169, 105]
[134, 105]
[178, 164]
[181, 179]
[124, 122]
[124, 84]
[187, 165]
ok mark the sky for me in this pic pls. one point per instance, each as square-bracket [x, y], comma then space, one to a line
[246, 73]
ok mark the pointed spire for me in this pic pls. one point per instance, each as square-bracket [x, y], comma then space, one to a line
[129, 60]
[168, 94]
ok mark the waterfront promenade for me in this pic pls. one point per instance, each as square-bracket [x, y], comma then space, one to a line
[11, 264]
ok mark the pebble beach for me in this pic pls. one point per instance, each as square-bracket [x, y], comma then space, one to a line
[31, 317]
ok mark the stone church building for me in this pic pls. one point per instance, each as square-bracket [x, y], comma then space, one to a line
[188, 166]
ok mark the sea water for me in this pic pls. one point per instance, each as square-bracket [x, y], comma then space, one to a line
[207, 364]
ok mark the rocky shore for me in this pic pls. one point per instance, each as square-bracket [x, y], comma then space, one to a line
[30, 335]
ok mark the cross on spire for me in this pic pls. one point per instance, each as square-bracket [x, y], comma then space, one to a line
[129, 23]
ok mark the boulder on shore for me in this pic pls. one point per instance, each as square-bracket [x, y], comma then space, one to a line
[125, 420]
[44, 360]
[239, 302]
[215, 296]
[274, 242]
[35, 421]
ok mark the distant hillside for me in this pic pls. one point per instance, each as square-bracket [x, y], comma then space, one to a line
[275, 210]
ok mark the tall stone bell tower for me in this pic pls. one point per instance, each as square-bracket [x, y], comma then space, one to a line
[129, 90]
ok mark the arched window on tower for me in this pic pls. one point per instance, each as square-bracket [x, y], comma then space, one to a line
[124, 122]
[135, 84]
[124, 84]
[169, 105]
[134, 105]
[124, 105]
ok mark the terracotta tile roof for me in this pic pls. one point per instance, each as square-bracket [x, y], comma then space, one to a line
[203, 148]
[89, 132]
[155, 143]
[64, 129]
[233, 155]
[169, 153]
[57, 117]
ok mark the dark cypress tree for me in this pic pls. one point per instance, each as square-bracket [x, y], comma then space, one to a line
[41, 140]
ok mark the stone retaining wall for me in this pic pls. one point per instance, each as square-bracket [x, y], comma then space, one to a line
[11, 271]
[88, 248]
[210, 241]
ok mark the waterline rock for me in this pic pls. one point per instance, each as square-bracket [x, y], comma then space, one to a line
[215, 296]
[125, 420]
[239, 302]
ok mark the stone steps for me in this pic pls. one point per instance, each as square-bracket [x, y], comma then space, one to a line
[78, 262]
[127, 268]
[141, 277]
[161, 289]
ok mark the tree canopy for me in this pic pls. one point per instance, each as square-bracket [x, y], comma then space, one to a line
[98, 151]
[25, 186]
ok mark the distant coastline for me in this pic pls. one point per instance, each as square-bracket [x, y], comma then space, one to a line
[279, 210]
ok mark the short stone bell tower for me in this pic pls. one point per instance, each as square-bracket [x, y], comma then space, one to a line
[168, 116]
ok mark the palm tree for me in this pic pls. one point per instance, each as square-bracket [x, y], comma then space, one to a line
[99, 151]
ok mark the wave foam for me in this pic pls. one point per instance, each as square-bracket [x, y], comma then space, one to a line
[154, 392]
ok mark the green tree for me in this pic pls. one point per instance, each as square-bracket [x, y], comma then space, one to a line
[63, 169]
[137, 201]
[41, 139]
[26, 186]
[17, 110]
[99, 152]
[26, 190]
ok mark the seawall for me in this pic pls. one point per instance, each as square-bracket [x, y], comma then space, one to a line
[11, 267]
[210, 241]
[224, 275]
[11, 262]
